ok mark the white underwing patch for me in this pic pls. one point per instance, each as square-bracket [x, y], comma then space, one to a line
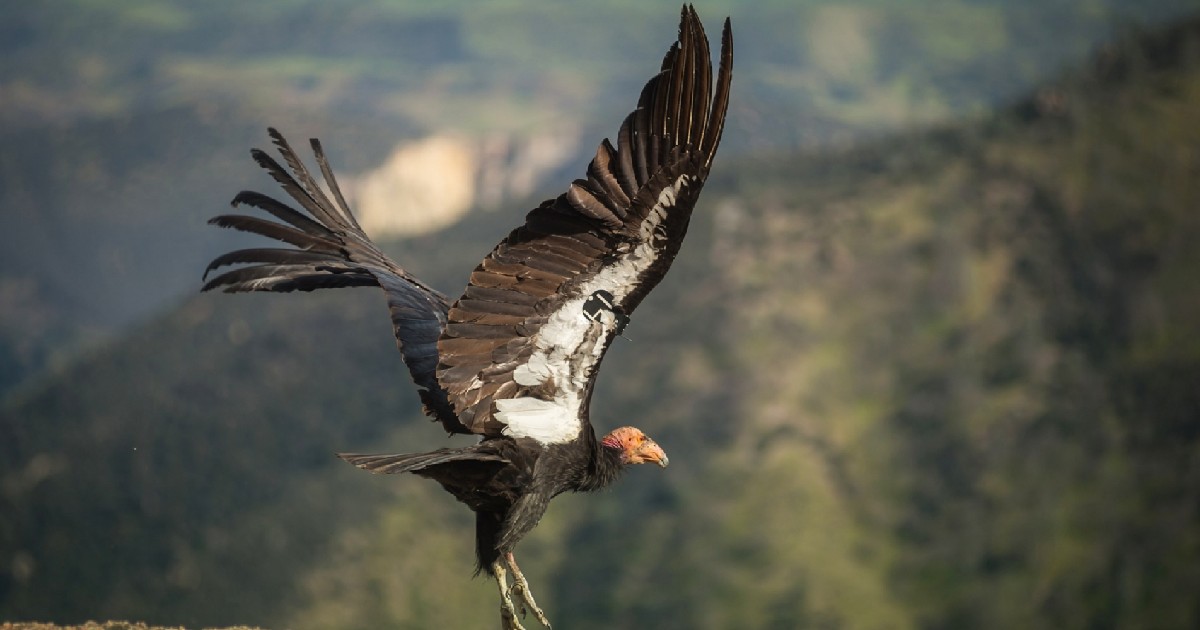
[531, 417]
[533, 372]
[566, 352]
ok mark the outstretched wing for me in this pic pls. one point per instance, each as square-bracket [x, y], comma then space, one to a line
[522, 345]
[331, 250]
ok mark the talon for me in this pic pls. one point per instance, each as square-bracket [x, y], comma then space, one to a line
[521, 585]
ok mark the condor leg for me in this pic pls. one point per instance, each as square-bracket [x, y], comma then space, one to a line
[508, 612]
[521, 586]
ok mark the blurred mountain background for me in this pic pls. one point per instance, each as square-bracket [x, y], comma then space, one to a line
[940, 367]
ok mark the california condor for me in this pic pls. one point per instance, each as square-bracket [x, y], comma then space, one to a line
[514, 360]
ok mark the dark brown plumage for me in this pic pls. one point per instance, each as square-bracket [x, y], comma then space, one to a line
[514, 359]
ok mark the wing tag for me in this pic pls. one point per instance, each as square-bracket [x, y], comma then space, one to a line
[599, 302]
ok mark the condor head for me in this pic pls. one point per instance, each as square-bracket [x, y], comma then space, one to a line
[634, 447]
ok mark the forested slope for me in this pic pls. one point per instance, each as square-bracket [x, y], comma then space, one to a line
[122, 120]
[942, 380]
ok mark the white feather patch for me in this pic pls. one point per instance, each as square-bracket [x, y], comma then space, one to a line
[533, 372]
[543, 420]
[562, 352]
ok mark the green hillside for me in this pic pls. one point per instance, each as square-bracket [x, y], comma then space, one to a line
[126, 123]
[941, 380]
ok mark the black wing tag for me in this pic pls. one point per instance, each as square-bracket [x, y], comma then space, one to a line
[599, 302]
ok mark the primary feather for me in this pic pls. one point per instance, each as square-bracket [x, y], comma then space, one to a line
[515, 358]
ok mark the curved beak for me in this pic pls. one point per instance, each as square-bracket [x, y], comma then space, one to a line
[652, 452]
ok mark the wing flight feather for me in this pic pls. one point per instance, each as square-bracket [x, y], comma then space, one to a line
[521, 347]
[517, 354]
[333, 251]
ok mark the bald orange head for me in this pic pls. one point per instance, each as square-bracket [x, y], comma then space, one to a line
[635, 447]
